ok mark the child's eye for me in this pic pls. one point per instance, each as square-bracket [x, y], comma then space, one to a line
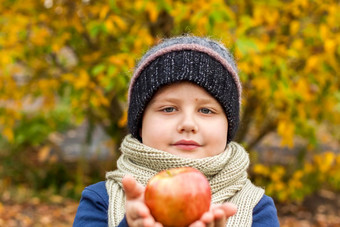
[205, 111]
[169, 109]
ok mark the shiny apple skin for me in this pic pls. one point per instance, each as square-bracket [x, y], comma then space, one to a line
[177, 197]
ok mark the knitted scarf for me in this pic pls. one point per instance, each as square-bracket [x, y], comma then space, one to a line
[226, 172]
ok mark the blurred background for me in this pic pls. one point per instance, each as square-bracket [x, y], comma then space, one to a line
[64, 70]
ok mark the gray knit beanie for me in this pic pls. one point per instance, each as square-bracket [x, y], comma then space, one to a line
[201, 61]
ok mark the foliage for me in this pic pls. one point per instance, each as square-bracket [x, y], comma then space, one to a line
[62, 62]
[295, 184]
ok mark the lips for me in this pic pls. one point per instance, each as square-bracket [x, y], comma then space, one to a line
[186, 144]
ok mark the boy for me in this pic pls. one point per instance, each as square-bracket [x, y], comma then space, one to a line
[184, 104]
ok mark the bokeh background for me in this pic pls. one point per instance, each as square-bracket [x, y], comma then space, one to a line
[64, 70]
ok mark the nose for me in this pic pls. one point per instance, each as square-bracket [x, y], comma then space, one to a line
[187, 123]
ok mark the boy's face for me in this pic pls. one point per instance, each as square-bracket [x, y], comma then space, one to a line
[184, 120]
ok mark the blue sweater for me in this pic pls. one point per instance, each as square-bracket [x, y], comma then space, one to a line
[93, 207]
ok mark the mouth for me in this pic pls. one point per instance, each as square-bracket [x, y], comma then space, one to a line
[186, 144]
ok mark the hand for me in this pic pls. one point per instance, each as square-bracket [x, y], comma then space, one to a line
[217, 216]
[137, 213]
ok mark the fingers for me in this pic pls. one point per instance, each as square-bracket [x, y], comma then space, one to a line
[157, 224]
[213, 218]
[229, 209]
[198, 224]
[207, 217]
[145, 222]
[133, 190]
[222, 213]
[220, 218]
[136, 210]
[217, 216]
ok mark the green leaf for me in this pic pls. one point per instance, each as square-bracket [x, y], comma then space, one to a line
[246, 45]
[111, 70]
[98, 69]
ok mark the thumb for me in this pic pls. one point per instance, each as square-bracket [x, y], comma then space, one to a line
[133, 190]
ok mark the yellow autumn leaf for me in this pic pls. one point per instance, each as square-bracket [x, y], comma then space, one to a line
[1, 206]
[104, 11]
[82, 80]
[56, 47]
[123, 120]
[43, 153]
[92, 57]
[119, 22]
[258, 15]
[275, 177]
[257, 62]
[242, 65]
[280, 170]
[76, 104]
[109, 26]
[77, 24]
[49, 101]
[295, 184]
[139, 4]
[116, 60]
[84, 99]
[324, 31]
[95, 102]
[286, 130]
[333, 17]
[104, 101]
[337, 160]
[313, 62]
[8, 133]
[58, 44]
[296, 11]
[122, 60]
[302, 112]
[279, 186]
[330, 46]
[308, 168]
[327, 161]
[280, 96]
[294, 27]
[272, 17]
[297, 44]
[147, 40]
[68, 77]
[262, 85]
[40, 36]
[261, 169]
[298, 175]
[152, 11]
[5, 59]
[303, 89]
[302, 3]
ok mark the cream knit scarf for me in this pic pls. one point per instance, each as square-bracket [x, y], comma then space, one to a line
[226, 172]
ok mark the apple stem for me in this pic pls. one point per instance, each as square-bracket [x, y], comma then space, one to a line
[169, 173]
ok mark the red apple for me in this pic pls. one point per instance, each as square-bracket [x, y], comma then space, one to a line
[178, 196]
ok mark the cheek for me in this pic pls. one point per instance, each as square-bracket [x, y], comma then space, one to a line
[155, 136]
[218, 134]
[153, 129]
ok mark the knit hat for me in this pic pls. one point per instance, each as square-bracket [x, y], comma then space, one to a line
[201, 61]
